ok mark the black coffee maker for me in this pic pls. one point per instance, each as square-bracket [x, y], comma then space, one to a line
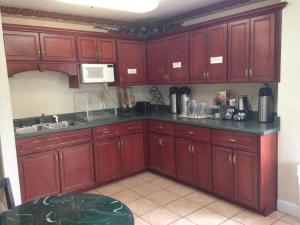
[243, 108]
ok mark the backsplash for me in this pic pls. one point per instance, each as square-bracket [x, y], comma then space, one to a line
[34, 93]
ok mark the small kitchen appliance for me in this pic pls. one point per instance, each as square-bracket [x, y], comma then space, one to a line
[174, 100]
[265, 105]
[97, 73]
[143, 107]
[185, 96]
[243, 108]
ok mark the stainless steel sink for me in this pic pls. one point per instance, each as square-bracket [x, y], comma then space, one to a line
[45, 126]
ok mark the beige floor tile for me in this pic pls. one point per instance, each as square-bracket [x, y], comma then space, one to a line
[280, 222]
[160, 216]
[183, 206]
[291, 220]
[131, 182]
[201, 198]
[163, 197]
[181, 189]
[163, 182]
[231, 222]
[250, 218]
[142, 206]
[140, 221]
[182, 222]
[148, 176]
[206, 217]
[224, 208]
[277, 214]
[146, 189]
[111, 189]
[126, 196]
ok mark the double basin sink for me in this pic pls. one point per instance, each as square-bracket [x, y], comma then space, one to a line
[45, 126]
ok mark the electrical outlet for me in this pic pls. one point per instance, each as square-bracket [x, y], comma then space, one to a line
[254, 103]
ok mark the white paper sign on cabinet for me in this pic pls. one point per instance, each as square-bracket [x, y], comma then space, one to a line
[216, 60]
[131, 71]
[177, 65]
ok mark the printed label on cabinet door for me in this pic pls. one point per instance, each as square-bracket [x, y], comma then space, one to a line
[131, 71]
[176, 65]
[216, 60]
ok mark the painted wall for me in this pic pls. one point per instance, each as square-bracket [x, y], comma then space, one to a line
[289, 108]
[7, 138]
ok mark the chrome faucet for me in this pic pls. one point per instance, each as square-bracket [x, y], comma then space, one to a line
[55, 118]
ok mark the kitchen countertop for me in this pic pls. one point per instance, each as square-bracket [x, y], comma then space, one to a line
[249, 126]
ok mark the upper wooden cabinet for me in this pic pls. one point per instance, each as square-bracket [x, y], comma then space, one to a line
[251, 50]
[92, 49]
[177, 58]
[131, 60]
[21, 45]
[208, 54]
[39, 46]
[58, 47]
[156, 62]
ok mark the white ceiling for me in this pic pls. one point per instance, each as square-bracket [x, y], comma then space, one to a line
[166, 8]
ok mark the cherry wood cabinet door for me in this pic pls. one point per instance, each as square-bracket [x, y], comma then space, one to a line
[21, 45]
[245, 178]
[107, 157]
[132, 153]
[39, 175]
[87, 49]
[168, 155]
[184, 160]
[131, 60]
[107, 50]
[58, 47]
[202, 174]
[177, 53]
[155, 152]
[198, 56]
[76, 167]
[262, 45]
[222, 171]
[217, 53]
[238, 51]
[156, 62]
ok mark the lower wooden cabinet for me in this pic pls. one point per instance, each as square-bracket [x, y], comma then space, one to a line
[193, 163]
[39, 175]
[107, 157]
[132, 153]
[235, 175]
[162, 154]
[76, 167]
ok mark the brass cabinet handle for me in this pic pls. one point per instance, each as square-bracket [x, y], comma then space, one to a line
[39, 52]
[160, 127]
[207, 74]
[204, 75]
[232, 140]
[56, 156]
[97, 54]
[160, 141]
[250, 73]
[43, 52]
[230, 158]
[193, 149]
[189, 147]
[167, 76]
[61, 157]
[234, 158]
[246, 73]
[191, 133]
[119, 144]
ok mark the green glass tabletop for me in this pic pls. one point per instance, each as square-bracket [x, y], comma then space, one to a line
[79, 209]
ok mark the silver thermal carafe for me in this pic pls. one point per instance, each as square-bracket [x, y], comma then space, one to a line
[185, 93]
[265, 105]
[174, 100]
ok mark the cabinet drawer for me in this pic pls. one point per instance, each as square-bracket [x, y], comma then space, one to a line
[246, 142]
[130, 127]
[161, 127]
[105, 132]
[193, 133]
[53, 141]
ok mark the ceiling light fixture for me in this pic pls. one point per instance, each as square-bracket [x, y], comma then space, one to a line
[137, 6]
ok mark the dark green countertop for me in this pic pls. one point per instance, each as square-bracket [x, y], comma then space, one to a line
[250, 126]
[80, 209]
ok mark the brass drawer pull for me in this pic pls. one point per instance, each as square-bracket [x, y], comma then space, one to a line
[230, 158]
[130, 128]
[232, 140]
[191, 133]
[234, 159]
[160, 127]
[160, 141]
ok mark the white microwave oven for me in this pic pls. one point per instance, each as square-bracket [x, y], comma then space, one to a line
[97, 73]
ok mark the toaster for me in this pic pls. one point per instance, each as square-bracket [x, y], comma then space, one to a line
[143, 107]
